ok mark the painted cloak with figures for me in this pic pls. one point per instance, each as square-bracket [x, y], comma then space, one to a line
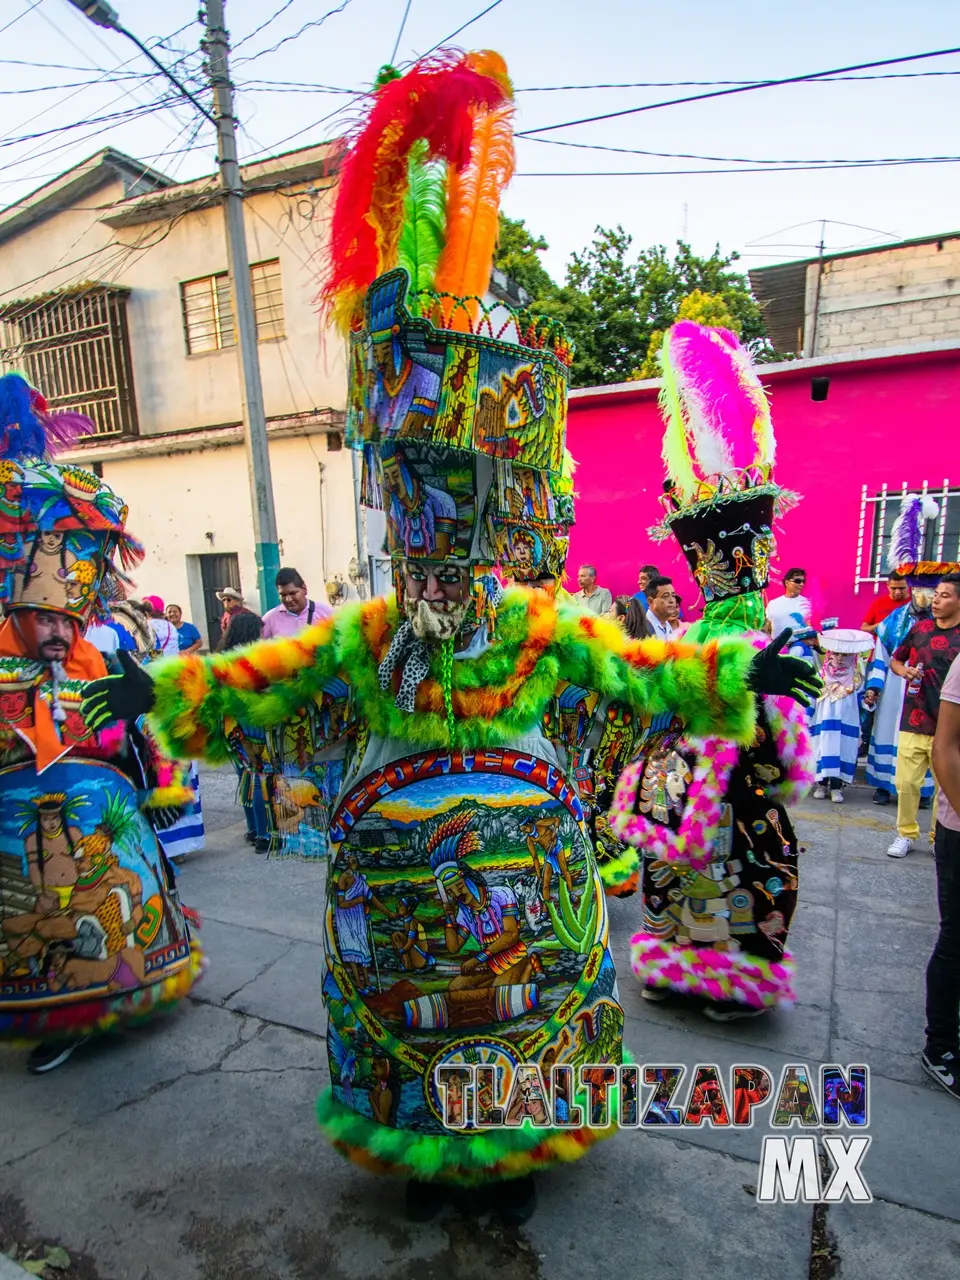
[92, 932]
[465, 918]
[706, 829]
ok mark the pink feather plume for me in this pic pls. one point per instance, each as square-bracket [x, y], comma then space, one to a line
[718, 415]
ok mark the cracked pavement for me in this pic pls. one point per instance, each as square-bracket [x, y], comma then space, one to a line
[187, 1149]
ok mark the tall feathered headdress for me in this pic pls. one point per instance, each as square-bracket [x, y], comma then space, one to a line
[420, 186]
[719, 450]
[719, 435]
[62, 529]
[458, 401]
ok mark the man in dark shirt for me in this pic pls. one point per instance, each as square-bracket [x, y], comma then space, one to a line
[923, 659]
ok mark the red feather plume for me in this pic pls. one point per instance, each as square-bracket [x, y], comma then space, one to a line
[436, 100]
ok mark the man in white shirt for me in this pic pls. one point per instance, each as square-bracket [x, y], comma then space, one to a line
[661, 598]
[792, 610]
[597, 599]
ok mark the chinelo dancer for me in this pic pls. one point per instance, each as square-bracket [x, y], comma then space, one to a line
[704, 819]
[92, 934]
[447, 943]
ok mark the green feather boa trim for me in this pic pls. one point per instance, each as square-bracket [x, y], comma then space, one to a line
[466, 1160]
[617, 870]
[269, 682]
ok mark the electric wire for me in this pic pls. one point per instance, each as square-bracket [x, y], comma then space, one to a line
[686, 155]
[13, 21]
[453, 34]
[263, 25]
[307, 26]
[749, 88]
[403, 24]
[667, 173]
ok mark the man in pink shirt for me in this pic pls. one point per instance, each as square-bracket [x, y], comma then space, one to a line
[295, 611]
[941, 1054]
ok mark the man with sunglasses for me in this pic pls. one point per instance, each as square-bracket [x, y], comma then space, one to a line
[793, 610]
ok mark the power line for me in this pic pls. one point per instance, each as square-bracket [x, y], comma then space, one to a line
[13, 21]
[749, 88]
[666, 173]
[307, 26]
[403, 23]
[693, 84]
[453, 34]
[686, 155]
[263, 25]
[112, 117]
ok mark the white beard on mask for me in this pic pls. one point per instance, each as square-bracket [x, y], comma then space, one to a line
[435, 621]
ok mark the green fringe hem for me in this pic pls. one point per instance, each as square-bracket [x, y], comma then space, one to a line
[465, 1160]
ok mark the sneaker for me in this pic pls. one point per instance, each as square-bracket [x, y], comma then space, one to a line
[722, 1013]
[52, 1054]
[944, 1068]
[881, 797]
[900, 847]
[262, 844]
[655, 995]
[837, 796]
[250, 837]
[819, 792]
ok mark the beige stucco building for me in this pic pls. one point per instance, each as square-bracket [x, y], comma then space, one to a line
[114, 299]
[895, 297]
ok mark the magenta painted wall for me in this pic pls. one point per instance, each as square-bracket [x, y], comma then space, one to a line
[889, 419]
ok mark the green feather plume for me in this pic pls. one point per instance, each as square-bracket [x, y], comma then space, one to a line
[424, 218]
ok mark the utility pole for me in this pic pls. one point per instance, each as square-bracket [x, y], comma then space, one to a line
[216, 45]
[254, 416]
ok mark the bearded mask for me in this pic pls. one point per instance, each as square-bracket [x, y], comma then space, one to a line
[434, 621]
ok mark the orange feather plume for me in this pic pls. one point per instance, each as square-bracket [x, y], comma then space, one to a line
[473, 213]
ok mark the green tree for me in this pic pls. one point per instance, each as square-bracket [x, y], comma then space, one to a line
[518, 254]
[613, 301]
[705, 309]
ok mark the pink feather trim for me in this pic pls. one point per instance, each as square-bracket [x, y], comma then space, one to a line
[717, 975]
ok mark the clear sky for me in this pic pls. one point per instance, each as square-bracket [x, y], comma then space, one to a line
[546, 43]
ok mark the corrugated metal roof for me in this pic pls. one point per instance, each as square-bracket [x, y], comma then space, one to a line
[781, 292]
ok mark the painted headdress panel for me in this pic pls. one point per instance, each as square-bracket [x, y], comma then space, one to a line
[63, 542]
[436, 367]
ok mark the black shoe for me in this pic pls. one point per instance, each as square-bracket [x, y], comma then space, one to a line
[262, 844]
[881, 797]
[424, 1200]
[926, 802]
[516, 1200]
[944, 1068]
[250, 837]
[52, 1054]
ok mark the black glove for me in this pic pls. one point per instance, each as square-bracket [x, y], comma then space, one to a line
[166, 817]
[770, 673]
[118, 697]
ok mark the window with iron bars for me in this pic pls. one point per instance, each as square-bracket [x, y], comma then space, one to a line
[75, 346]
[208, 318]
[878, 511]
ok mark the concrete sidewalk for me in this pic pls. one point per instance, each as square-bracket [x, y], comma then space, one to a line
[188, 1150]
